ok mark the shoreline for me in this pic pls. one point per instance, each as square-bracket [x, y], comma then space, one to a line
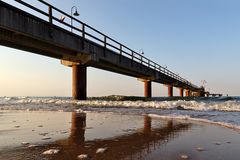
[115, 131]
[161, 117]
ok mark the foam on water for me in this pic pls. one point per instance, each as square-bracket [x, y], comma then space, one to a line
[182, 117]
[223, 111]
[217, 105]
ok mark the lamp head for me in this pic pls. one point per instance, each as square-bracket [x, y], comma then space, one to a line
[76, 13]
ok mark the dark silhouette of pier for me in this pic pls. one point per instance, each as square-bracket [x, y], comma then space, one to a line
[84, 46]
[133, 145]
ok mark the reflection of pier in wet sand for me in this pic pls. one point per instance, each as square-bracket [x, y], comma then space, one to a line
[135, 144]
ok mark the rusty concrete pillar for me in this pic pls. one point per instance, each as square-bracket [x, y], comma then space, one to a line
[190, 93]
[79, 82]
[148, 89]
[181, 92]
[170, 90]
[187, 92]
[202, 94]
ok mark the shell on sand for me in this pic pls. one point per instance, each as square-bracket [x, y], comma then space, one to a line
[101, 150]
[83, 156]
[200, 149]
[63, 132]
[25, 143]
[183, 156]
[46, 138]
[51, 151]
[32, 146]
[43, 134]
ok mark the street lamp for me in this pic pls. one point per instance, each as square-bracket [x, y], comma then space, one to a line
[141, 51]
[75, 14]
[204, 83]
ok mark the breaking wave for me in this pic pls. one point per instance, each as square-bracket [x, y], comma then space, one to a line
[223, 111]
[227, 104]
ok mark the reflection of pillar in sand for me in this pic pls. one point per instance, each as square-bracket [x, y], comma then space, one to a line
[78, 128]
[147, 124]
[170, 124]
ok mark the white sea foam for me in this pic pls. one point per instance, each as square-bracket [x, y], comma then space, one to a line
[232, 105]
[228, 125]
[222, 111]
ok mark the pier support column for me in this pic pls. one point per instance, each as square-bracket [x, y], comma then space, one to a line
[148, 89]
[187, 92]
[181, 92]
[170, 90]
[202, 94]
[79, 82]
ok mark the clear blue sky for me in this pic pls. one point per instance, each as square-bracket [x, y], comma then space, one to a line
[199, 39]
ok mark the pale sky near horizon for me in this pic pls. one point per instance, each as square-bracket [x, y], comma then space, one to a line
[197, 39]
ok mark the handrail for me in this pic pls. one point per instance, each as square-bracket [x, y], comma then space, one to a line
[122, 49]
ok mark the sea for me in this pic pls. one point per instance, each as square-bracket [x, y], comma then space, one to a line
[224, 111]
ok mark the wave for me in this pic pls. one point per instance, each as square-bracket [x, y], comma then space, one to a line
[224, 124]
[226, 104]
[223, 111]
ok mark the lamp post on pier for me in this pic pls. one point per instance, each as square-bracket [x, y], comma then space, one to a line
[75, 14]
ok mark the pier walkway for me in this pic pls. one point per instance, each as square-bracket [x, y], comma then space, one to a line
[78, 45]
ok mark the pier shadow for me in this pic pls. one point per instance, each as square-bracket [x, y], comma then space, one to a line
[134, 145]
[77, 129]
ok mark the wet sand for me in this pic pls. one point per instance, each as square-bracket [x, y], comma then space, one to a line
[26, 135]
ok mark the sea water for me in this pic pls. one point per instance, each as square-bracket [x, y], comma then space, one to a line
[222, 111]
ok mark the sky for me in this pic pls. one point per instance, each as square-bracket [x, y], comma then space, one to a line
[199, 40]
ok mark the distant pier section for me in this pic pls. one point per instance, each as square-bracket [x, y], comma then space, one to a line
[79, 45]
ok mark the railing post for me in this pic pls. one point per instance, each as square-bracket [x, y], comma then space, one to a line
[50, 14]
[105, 45]
[83, 36]
[50, 31]
[120, 55]
[132, 58]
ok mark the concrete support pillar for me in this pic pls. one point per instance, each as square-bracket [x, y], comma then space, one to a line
[187, 92]
[202, 94]
[181, 92]
[148, 89]
[170, 91]
[79, 82]
[190, 93]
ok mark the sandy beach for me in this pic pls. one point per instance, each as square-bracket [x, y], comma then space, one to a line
[119, 80]
[105, 135]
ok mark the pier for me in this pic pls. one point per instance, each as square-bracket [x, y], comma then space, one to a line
[82, 47]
